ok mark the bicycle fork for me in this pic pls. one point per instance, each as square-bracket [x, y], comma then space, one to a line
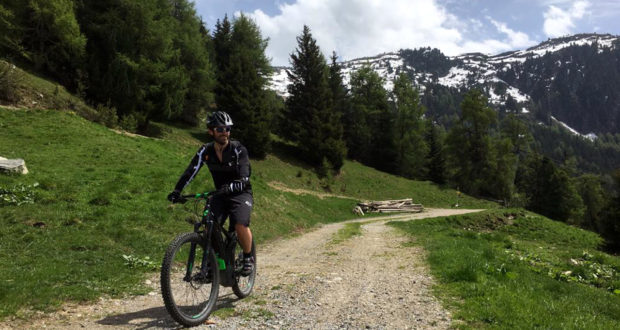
[204, 270]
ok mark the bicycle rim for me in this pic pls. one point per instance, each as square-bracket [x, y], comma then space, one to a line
[188, 294]
[243, 284]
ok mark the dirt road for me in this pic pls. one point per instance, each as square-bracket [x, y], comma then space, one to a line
[306, 282]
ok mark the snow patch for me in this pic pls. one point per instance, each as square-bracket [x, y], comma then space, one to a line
[589, 136]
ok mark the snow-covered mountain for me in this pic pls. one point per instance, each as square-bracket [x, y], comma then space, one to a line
[518, 79]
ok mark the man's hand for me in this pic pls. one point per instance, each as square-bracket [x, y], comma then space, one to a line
[236, 186]
[174, 196]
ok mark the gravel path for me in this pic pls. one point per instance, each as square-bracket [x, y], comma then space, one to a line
[307, 282]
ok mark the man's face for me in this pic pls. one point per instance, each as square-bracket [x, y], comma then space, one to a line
[221, 134]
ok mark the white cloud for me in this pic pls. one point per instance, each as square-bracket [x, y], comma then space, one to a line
[516, 39]
[357, 28]
[559, 22]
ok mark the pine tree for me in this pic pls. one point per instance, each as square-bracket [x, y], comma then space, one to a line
[609, 223]
[136, 56]
[340, 100]
[411, 149]
[436, 161]
[369, 124]
[242, 70]
[552, 193]
[191, 40]
[222, 49]
[52, 38]
[469, 145]
[10, 33]
[314, 124]
[593, 196]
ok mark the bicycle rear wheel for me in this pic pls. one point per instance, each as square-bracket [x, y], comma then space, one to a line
[189, 294]
[243, 284]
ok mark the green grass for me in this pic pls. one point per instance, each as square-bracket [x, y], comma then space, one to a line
[32, 91]
[347, 231]
[100, 222]
[513, 269]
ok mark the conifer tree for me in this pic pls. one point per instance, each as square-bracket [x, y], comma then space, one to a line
[242, 70]
[339, 91]
[191, 40]
[139, 57]
[52, 38]
[435, 160]
[314, 124]
[10, 33]
[222, 48]
[410, 147]
[369, 124]
[469, 144]
[609, 223]
[552, 193]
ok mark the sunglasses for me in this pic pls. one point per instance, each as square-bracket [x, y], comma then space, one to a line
[222, 129]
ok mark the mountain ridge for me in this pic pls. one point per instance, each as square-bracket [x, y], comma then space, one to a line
[513, 81]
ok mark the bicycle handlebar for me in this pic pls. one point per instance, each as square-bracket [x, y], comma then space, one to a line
[184, 198]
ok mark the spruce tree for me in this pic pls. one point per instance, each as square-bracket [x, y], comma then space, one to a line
[341, 102]
[222, 48]
[411, 149]
[469, 145]
[52, 38]
[140, 54]
[242, 70]
[553, 194]
[435, 161]
[609, 223]
[369, 123]
[314, 124]
[191, 40]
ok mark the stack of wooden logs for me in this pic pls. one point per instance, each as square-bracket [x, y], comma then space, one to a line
[397, 205]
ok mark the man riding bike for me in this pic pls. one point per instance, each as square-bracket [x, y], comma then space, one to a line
[230, 168]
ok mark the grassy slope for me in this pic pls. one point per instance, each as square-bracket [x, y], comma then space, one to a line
[101, 195]
[514, 269]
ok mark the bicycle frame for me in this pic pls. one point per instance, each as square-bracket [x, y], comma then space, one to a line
[221, 240]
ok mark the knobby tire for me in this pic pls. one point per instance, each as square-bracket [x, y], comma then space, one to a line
[189, 302]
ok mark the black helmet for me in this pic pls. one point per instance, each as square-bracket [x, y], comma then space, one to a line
[219, 118]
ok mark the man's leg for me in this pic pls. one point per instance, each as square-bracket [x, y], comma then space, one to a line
[245, 237]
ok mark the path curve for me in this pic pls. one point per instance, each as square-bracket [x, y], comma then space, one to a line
[306, 282]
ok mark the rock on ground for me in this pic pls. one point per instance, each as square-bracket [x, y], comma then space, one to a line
[13, 165]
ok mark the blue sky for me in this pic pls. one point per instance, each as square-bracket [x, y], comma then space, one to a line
[357, 28]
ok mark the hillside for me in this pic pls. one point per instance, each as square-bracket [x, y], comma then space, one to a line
[512, 269]
[93, 196]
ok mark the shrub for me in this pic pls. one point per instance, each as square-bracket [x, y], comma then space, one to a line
[107, 116]
[129, 123]
[10, 79]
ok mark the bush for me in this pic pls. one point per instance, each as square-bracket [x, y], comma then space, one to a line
[10, 79]
[107, 116]
[156, 130]
[129, 123]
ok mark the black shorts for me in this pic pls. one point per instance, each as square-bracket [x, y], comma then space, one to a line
[237, 207]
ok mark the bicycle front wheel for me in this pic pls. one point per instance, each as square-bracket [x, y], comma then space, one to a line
[189, 290]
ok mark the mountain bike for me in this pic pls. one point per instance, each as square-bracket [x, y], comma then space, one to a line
[197, 263]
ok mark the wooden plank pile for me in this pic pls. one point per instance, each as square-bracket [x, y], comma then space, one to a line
[397, 205]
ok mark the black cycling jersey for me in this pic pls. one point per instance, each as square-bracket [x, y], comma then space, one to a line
[235, 166]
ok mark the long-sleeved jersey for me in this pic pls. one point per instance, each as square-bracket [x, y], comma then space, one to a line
[235, 166]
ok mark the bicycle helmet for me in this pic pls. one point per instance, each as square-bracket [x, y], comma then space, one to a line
[219, 118]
